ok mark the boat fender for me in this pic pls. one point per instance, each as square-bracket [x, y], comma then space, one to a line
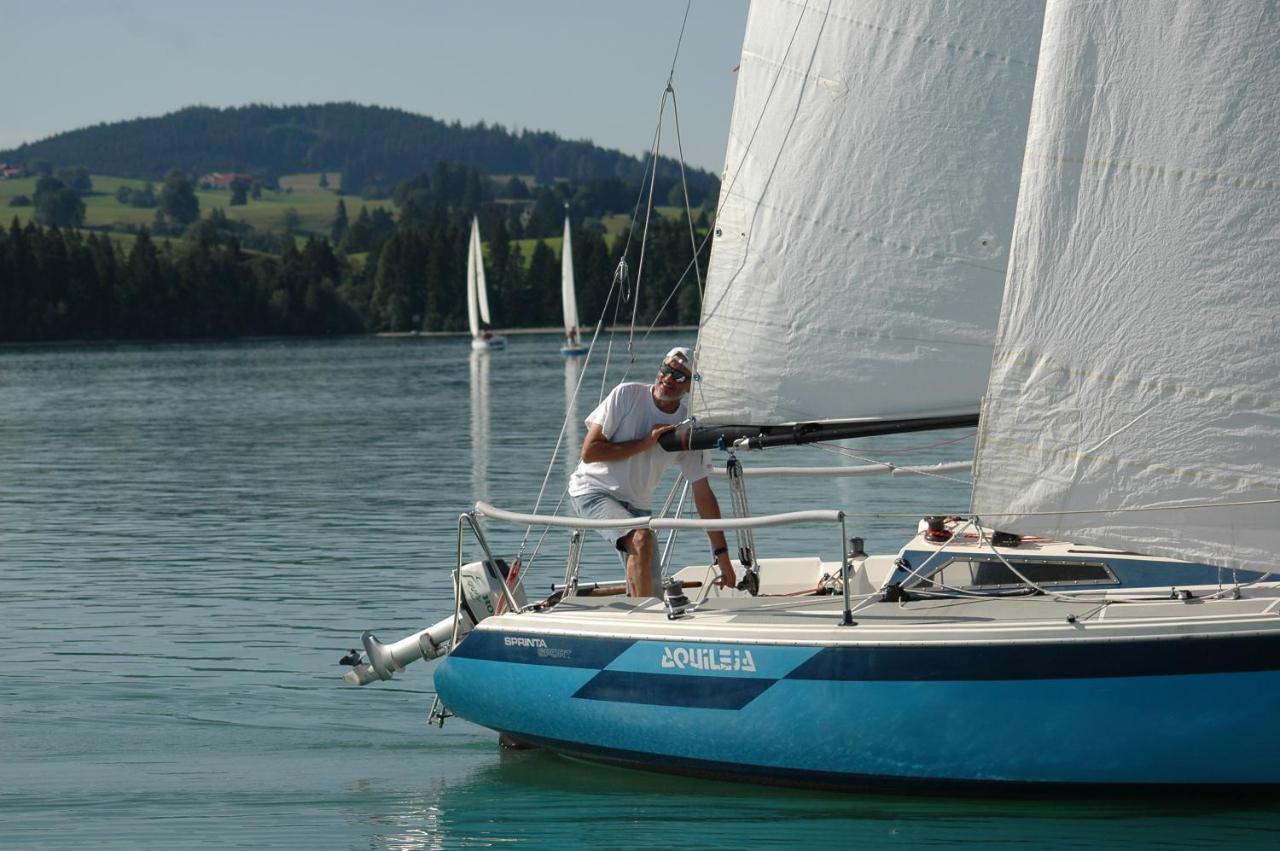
[512, 578]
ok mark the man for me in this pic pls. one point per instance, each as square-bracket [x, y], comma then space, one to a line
[622, 464]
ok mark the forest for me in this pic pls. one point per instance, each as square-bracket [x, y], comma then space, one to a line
[117, 234]
[371, 272]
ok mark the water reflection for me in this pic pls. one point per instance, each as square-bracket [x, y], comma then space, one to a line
[480, 424]
[572, 445]
[540, 799]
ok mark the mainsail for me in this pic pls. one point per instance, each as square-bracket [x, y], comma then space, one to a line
[475, 266]
[567, 296]
[1135, 391]
[867, 205]
[482, 291]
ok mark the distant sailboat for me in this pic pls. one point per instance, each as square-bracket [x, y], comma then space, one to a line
[478, 297]
[573, 344]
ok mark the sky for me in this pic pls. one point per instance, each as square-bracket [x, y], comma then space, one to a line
[582, 69]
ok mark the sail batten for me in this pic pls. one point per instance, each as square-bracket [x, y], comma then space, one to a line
[866, 211]
[1135, 388]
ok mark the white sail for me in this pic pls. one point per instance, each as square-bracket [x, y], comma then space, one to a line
[866, 209]
[567, 296]
[474, 265]
[482, 291]
[1137, 365]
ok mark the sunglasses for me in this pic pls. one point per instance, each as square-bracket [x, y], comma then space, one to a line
[667, 369]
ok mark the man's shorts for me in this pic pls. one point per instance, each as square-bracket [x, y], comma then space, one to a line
[598, 505]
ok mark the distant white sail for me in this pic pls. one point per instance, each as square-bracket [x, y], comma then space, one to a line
[474, 266]
[866, 210]
[482, 291]
[567, 296]
[1138, 359]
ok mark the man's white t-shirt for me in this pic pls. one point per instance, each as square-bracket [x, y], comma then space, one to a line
[629, 413]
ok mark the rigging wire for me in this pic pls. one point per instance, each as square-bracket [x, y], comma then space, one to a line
[679, 41]
[951, 441]
[620, 281]
[845, 452]
[727, 190]
[688, 209]
[564, 423]
[648, 214]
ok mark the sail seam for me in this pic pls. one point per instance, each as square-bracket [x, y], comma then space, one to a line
[1031, 359]
[873, 237]
[1191, 175]
[950, 47]
[1187, 474]
[1200, 506]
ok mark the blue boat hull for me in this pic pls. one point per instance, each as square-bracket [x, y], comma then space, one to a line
[1201, 711]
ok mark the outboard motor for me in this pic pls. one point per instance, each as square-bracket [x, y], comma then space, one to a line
[481, 597]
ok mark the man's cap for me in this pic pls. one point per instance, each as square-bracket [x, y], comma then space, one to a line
[682, 355]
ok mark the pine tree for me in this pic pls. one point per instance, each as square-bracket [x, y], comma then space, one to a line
[338, 231]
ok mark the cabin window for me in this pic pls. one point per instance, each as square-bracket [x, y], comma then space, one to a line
[989, 573]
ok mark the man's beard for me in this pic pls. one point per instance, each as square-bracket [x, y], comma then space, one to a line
[666, 395]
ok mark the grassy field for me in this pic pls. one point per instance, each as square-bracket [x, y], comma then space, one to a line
[311, 182]
[315, 207]
[300, 192]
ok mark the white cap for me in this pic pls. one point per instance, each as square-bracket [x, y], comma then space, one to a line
[682, 355]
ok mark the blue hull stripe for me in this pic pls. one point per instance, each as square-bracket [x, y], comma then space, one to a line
[667, 690]
[1083, 660]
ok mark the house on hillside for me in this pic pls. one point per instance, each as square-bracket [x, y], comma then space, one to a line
[223, 179]
[7, 171]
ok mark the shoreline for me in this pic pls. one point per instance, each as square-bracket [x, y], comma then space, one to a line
[514, 332]
[508, 332]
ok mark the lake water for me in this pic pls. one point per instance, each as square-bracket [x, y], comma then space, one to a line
[192, 535]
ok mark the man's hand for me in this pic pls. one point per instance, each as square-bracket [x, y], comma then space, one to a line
[657, 432]
[728, 578]
[598, 448]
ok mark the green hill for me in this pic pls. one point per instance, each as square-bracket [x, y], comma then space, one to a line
[367, 144]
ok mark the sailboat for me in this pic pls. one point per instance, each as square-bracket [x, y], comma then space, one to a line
[1107, 615]
[573, 344]
[482, 339]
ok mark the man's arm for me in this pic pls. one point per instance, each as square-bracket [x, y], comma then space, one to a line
[709, 509]
[597, 447]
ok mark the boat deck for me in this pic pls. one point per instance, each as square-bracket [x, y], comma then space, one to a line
[814, 619]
